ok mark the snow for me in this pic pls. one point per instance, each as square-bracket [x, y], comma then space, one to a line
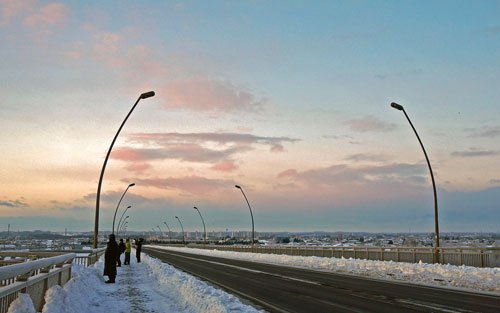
[444, 275]
[156, 287]
[150, 286]
[22, 304]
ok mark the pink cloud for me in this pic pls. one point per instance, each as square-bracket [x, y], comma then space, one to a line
[201, 94]
[137, 167]
[277, 148]
[288, 173]
[52, 14]
[13, 8]
[106, 48]
[225, 166]
[190, 184]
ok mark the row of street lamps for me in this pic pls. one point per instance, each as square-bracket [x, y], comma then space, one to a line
[151, 94]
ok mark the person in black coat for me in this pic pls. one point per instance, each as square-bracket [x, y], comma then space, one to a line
[121, 249]
[138, 248]
[110, 256]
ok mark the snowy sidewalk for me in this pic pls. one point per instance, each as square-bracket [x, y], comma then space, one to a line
[150, 286]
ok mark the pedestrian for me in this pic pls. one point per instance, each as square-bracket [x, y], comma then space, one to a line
[138, 248]
[128, 249]
[110, 256]
[121, 249]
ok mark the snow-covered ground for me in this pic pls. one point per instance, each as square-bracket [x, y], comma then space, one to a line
[150, 286]
[155, 287]
[465, 277]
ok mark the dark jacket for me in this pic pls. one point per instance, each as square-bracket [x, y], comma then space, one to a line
[138, 245]
[110, 257]
[121, 247]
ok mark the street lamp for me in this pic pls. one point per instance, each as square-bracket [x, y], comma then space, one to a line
[120, 220]
[251, 214]
[114, 217]
[169, 232]
[436, 224]
[204, 229]
[98, 197]
[123, 227]
[183, 236]
[120, 225]
[161, 233]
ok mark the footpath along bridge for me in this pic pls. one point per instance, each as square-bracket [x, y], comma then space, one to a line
[270, 287]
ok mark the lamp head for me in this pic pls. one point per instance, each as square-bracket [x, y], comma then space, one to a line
[237, 186]
[195, 208]
[147, 94]
[397, 106]
[176, 217]
[129, 207]
[132, 185]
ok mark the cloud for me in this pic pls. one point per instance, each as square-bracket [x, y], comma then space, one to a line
[495, 181]
[190, 184]
[360, 157]
[288, 173]
[52, 14]
[13, 8]
[369, 124]
[474, 152]
[355, 178]
[205, 95]
[484, 132]
[225, 166]
[18, 203]
[218, 149]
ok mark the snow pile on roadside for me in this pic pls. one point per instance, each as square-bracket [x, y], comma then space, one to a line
[192, 292]
[483, 279]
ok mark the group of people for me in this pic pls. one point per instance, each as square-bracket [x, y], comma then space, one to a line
[113, 254]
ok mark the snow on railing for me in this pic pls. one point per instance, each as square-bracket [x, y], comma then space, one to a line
[34, 278]
[478, 257]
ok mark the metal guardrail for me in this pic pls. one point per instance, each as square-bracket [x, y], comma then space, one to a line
[478, 257]
[34, 272]
[34, 278]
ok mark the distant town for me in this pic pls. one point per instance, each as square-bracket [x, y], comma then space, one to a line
[39, 239]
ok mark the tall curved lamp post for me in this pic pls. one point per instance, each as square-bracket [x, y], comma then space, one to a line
[161, 233]
[204, 229]
[183, 236]
[123, 227]
[98, 197]
[251, 214]
[169, 232]
[120, 225]
[114, 217]
[436, 224]
[120, 220]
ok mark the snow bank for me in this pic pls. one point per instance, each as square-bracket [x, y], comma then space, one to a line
[472, 278]
[150, 286]
[22, 304]
[192, 292]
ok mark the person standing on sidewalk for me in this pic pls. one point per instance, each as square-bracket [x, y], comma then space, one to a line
[138, 248]
[128, 249]
[121, 249]
[110, 256]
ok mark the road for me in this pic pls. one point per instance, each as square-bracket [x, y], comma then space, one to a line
[286, 289]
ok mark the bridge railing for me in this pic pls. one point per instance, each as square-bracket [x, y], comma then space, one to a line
[33, 278]
[478, 257]
[34, 272]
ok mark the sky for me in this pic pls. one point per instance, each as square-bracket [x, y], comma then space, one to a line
[289, 99]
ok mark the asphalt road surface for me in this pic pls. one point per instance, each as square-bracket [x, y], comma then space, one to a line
[286, 289]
